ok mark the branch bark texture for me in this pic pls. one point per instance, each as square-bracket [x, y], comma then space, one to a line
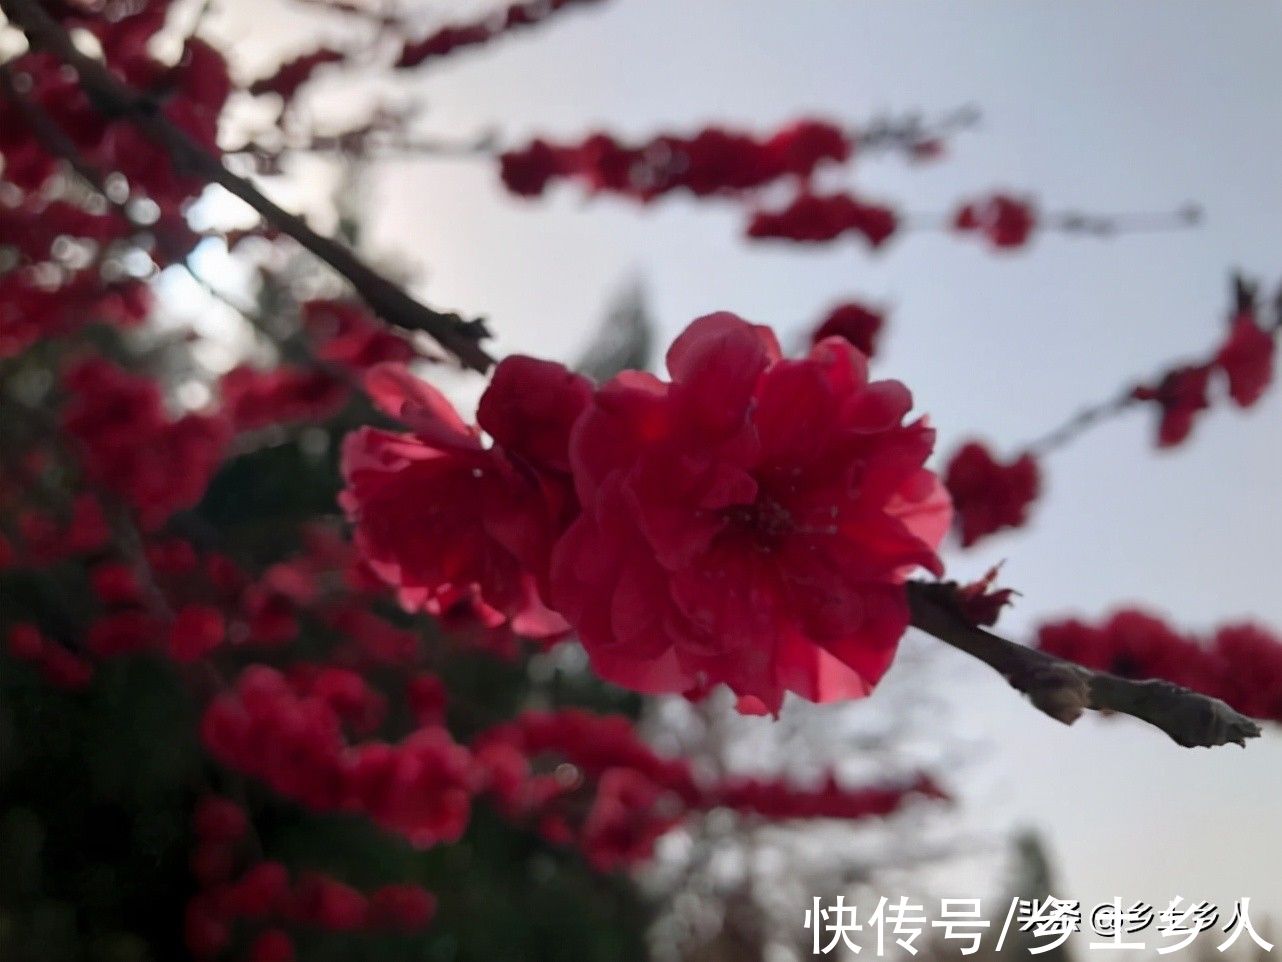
[1064, 690]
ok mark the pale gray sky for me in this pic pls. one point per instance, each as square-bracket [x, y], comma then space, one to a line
[1093, 104]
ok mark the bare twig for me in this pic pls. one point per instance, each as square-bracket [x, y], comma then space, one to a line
[1081, 422]
[1064, 690]
[116, 99]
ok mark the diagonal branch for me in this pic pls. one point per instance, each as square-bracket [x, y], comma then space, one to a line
[116, 99]
[1064, 690]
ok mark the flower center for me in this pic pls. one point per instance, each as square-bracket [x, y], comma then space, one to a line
[766, 522]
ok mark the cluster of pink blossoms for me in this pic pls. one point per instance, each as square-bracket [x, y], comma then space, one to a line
[1239, 663]
[750, 523]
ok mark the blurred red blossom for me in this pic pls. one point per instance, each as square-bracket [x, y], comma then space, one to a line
[1246, 358]
[1005, 221]
[1180, 395]
[1239, 663]
[818, 218]
[856, 323]
[130, 445]
[989, 495]
[713, 161]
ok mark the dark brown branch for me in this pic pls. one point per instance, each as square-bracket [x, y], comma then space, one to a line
[1064, 690]
[1080, 423]
[116, 99]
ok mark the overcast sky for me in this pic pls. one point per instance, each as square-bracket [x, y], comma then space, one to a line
[1095, 105]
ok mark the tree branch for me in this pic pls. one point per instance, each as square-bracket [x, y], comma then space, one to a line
[1064, 690]
[117, 100]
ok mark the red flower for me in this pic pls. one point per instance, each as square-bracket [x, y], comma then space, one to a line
[1005, 221]
[128, 444]
[262, 891]
[988, 495]
[857, 324]
[115, 583]
[750, 523]
[818, 218]
[1247, 359]
[1249, 660]
[196, 631]
[1181, 394]
[327, 903]
[528, 171]
[712, 161]
[255, 399]
[344, 333]
[630, 813]
[421, 787]
[445, 519]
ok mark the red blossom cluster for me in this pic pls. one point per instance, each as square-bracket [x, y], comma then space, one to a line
[591, 781]
[989, 495]
[1006, 222]
[1238, 663]
[128, 443]
[811, 218]
[291, 734]
[45, 537]
[578, 778]
[343, 333]
[55, 291]
[713, 161]
[457, 36]
[645, 513]
[1245, 361]
[59, 665]
[343, 341]
[253, 398]
[255, 896]
[449, 521]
